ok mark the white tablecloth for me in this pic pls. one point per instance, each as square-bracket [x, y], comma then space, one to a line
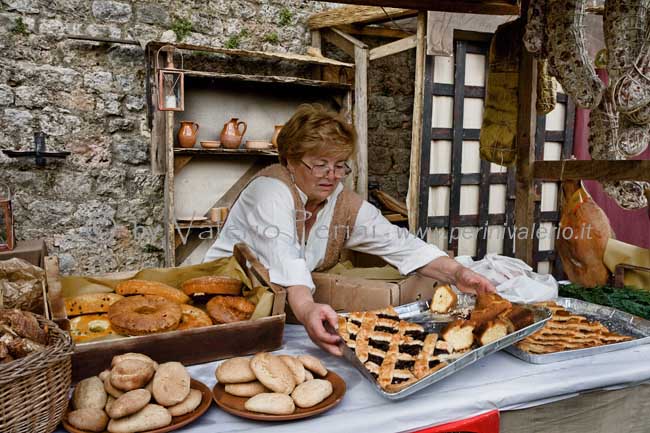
[499, 381]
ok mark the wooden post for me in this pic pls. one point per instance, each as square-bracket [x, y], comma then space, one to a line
[170, 244]
[361, 118]
[413, 198]
[526, 125]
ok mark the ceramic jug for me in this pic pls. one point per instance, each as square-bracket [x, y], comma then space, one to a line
[231, 134]
[274, 140]
[187, 133]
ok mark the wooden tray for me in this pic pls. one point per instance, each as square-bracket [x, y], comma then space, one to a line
[177, 421]
[235, 405]
[189, 346]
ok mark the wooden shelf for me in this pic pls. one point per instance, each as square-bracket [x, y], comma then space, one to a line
[300, 58]
[269, 79]
[592, 169]
[198, 151]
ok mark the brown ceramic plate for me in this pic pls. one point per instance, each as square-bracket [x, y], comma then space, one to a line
[177, 421]
[235, 405]
[258, 144]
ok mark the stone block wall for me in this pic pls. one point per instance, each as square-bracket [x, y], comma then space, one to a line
[101, 209]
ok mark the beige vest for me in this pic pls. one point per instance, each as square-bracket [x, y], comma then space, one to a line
[345, 213]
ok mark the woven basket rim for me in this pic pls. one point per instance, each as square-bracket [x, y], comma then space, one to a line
[59, 346]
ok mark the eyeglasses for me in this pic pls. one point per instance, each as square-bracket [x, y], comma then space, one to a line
[323, 170]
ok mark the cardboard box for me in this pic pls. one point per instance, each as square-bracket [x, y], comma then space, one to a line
[191, 346]
[362, 294]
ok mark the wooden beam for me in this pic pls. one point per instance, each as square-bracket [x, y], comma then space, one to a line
[413, 198]
[525, 140]
[170, 247]
[393, 48]
[593, 170]
[357, 15]
[180, 162]
[361, 117]
[342, 40]
[492, 7]
[374, 31]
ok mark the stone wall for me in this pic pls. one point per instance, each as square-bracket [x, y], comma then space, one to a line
[101, 209]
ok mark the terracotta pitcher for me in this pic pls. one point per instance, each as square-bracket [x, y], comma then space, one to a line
[274, 140]
[231, 135]
[187, 133]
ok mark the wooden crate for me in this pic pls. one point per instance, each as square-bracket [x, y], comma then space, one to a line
[191, 346]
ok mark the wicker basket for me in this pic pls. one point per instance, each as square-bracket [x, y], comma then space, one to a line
[34, 389]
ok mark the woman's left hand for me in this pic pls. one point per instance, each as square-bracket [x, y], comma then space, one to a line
[469, 281]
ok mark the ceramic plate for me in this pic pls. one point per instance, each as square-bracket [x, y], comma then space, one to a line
[177, 421]
[210, 144]
[235, 405]
[258, 144]
[189, 218]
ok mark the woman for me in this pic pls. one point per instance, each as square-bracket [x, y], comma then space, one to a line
[297, 217]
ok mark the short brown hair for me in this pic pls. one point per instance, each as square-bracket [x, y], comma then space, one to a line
[315, 129]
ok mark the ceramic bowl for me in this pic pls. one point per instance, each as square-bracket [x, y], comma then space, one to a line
[210, 144]
[258, 144]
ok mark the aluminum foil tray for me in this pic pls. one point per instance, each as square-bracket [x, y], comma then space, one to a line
[417, 312]
[615, 320]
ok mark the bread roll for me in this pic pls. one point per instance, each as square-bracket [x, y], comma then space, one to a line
[89, 393]
[88, 419]
[171, 384]
[129, 403]
[273, 373]
[131, 374]
[90, 303]
[313, 364]
[271, 403]
[186, 406]
[296, 367]
[142, 287]
[249, 389]
[151, 417]
[235, 370]
[131, 355]
[110, 389]
[312, 392]
[214, 285]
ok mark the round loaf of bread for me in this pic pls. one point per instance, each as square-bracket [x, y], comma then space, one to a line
[128, 403]
[273, 373]
[88, 419]
[90, 303]
[271, 403]
[227, 309]
[142, 315]
[90, 327]
[313, 364]
[151, 417]
[312, 392]
[132, 355]
[89, 393]
[171, 384]
[235, 370]
[186, 406]
[212, 285]
[193, 317]
[131, 374]
[296, 367]
[249, 389]
[143, 287]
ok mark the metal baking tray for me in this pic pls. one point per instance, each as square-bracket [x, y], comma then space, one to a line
[615, 320]
[417, 312]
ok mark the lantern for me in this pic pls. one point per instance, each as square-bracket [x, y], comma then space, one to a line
[6, 220]
[171, 83]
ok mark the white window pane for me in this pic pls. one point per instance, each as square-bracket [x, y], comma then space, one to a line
[543, 268]
[438, 237]
[555, 119]
[475, 70]
[443, 111]
[471, 161]
[497, 203]
[467, 239]
[443, 70]
[473, 113]
[552, 151]
[549, 197]
[496, 168]
[440, 161]
[495, 238]
[546, 236]
[439, 201]
[469, 199]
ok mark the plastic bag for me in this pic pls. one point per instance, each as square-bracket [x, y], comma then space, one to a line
[513, 278]
[21, 285]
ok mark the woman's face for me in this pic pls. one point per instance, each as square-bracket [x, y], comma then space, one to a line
[318, 176]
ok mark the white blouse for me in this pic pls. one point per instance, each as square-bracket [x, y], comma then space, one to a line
[264, 218]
